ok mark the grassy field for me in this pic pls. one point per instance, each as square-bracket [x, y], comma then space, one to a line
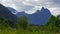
[21, 31]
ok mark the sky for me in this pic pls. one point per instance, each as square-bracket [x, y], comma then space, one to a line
[30, 6]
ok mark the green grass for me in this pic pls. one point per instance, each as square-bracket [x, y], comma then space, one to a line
[21, 31]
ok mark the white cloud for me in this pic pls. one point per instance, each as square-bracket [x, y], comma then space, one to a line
[33, 10]
[30, 6]
[55, 11]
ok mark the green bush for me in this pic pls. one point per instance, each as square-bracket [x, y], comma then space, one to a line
[53, 24]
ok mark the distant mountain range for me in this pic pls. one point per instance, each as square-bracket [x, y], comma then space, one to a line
[40, 17]
[5, 13]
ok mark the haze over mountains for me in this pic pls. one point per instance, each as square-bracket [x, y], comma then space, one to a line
[39, 17]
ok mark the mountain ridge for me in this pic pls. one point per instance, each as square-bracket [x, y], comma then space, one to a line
[39, 16]
[4, 12]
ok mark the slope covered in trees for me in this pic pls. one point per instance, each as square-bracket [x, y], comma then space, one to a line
[53, 24]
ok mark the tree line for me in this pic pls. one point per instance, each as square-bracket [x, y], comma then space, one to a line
[53, 24]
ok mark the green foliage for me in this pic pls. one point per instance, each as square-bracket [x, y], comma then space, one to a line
[53, 24]
[22, 21]
[3, 22]
[51, 20]
[51, 27]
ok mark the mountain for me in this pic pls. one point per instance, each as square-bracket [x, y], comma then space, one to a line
[58, 16]
[12, 10]
[5, 13]
[21, 13]
[40, 17]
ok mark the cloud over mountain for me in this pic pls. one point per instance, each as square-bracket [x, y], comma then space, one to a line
[30, 6]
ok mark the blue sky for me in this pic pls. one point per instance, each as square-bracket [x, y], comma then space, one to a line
[30, 6]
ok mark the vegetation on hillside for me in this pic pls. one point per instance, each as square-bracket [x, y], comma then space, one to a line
[23, 27]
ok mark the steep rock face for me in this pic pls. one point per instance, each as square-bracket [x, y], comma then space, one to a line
[4, 12]
[12, 10]
[40, 17]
